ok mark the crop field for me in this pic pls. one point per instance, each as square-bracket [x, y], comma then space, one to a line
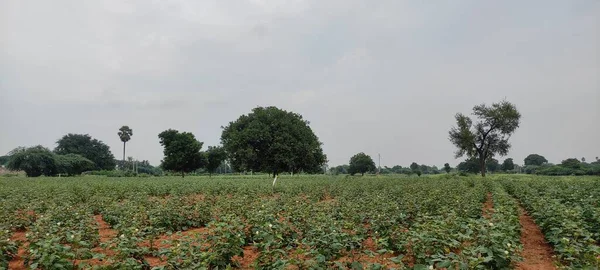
[304, 222]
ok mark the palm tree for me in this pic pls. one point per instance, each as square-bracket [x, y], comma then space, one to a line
[125, 134]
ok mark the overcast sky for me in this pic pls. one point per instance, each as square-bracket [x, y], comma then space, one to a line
[371, 76]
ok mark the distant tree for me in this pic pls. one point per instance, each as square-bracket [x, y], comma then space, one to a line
[470, 165]
[182, 151]
[572, 163]
[361, 163]
[272, 140]
[86, 146]
[418, 172]
[397, 169]
[583, 159]
[341, 169]
[4, 160]
[488, 137]
[493, 165]
[215, 155]
[535, 159]
[508, 165]
[72, 164]
[414, 166]
[34, 161]
[424, 169]
[447, 168]
[125, 134]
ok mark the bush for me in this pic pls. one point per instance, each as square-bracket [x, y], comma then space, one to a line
[35, 161]
[72, 164]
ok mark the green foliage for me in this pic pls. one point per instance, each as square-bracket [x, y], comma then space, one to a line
[447, 168]
[272, 140]
[488, 137]
[571, 163]
[125, 134]
[570, 167]
[361, 163]
[35, 161]
[567, 212]
[311, 222]
[86, 146]
[535, 159]
[182, 151]
[470, 165]
[492, 165]
[8, 248]
[341, 169]
[508, 165]
[4, 160]
[72, 164]
[215, 155]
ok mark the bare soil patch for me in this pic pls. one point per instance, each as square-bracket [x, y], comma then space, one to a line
[488, 206]
[18, 261]
[537, 253]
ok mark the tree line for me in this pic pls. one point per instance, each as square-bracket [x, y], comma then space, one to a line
[271, 140]
[267, 139]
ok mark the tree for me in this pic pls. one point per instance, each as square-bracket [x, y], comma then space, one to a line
[492, 165]
[488, 137]
[182, 151]
[72, 164]
[361, 163]
[583, 159]
[4, 160]
[535, 159]
[447, 168]
[508, 165]
[86, 146]
[341, 169]
[470, 165]
[125, 134]
[215, 155]
[272, 140]
[35, 161]
[414, 166]
[572, 163]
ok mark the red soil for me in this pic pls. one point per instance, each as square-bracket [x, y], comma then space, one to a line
[537, 253]
[18, 261]
[488, 206]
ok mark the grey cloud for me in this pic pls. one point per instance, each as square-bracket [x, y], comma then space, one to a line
[380, 77]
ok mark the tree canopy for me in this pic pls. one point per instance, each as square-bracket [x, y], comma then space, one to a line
[182, 151]
[489, 136]
[361, 163]
[492, 165]
[572, 163]
[272, 140]
[447, 168]
[4, 160]
[508, 165]
[125, 134]
[471, 165]
[34, 161]
[215, 155]
[535, 159]
[86, 146]
[72, 164]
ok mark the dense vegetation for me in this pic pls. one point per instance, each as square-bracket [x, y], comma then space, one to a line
[272, 140]
[308, 222]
